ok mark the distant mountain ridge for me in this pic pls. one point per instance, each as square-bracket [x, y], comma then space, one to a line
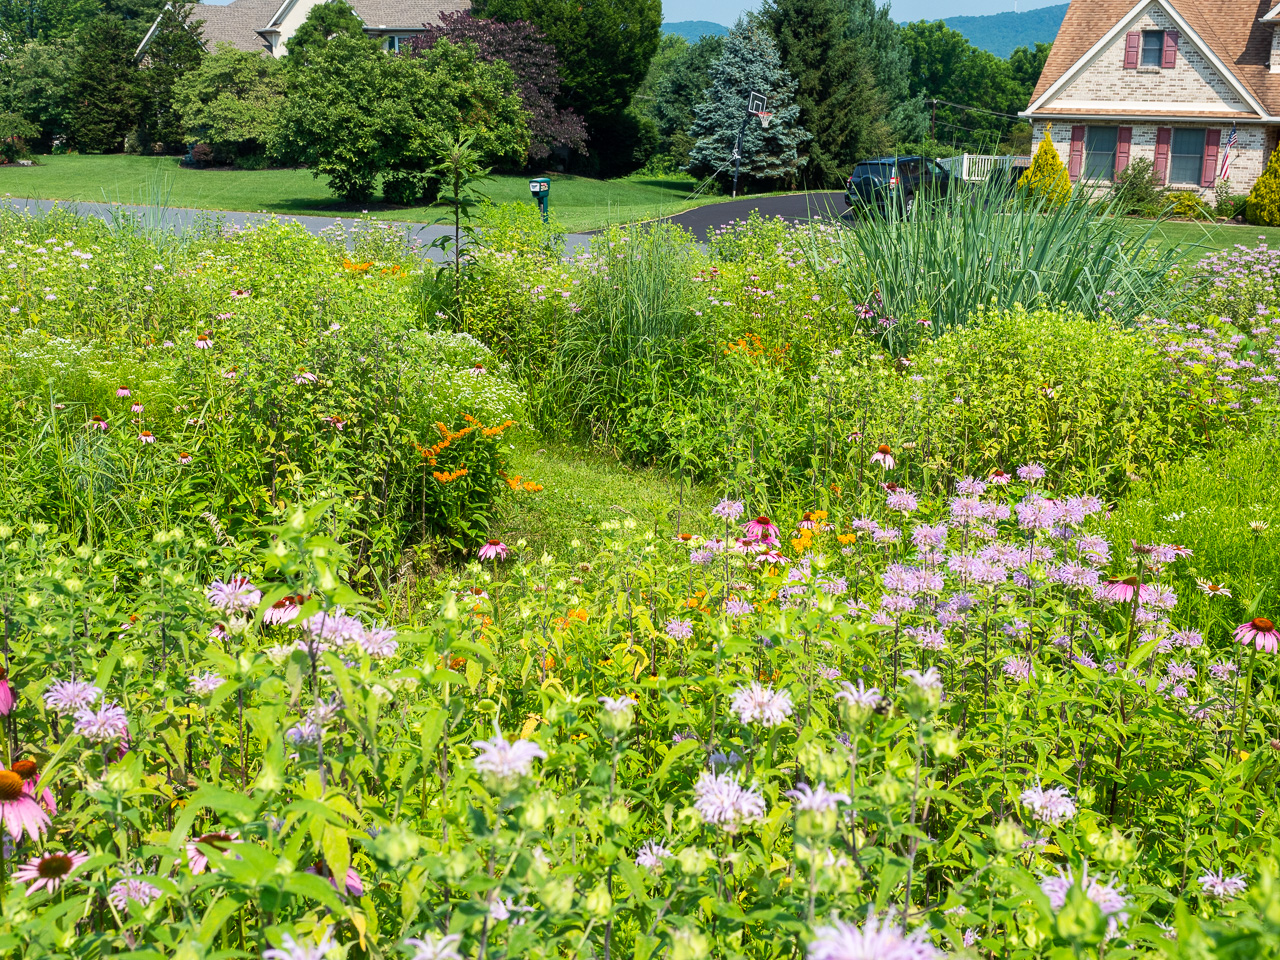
[1002, 33]
[692, 30]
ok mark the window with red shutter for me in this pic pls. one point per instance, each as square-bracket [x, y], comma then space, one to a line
[1124, 145]
[1076, 162]
[1164, 137]
[1132, 42]
[1209, 174]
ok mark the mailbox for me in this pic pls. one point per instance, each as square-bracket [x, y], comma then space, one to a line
[540, 187]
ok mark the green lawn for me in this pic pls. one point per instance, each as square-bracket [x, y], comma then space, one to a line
[578, 203]
[1195, 240]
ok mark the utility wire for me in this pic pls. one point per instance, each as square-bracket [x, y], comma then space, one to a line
[963, 106]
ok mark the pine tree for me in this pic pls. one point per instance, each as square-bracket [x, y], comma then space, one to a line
[751, 62]
[1263, 206]
[840, 102]
[174, 49]
[104, 85]
[1047, 176]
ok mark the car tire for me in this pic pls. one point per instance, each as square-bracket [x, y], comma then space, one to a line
[908, 206]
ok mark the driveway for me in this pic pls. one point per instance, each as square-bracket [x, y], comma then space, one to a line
[700, 221]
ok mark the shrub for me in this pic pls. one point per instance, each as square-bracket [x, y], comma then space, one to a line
[1047, 177]
[1185, 205]
[1263, 206]
[1137, 188]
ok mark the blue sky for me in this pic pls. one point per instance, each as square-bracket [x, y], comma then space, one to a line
[726, 11]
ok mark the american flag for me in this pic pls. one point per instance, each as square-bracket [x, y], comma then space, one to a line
[1226, 155]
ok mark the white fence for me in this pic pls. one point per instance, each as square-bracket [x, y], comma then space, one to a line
[977, 167]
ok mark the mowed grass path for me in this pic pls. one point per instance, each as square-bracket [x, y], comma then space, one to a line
[579, 203]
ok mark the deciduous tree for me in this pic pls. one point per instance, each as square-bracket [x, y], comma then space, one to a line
[230, 100]
[524, 47]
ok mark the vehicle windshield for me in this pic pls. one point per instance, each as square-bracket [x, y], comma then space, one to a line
[873, 170]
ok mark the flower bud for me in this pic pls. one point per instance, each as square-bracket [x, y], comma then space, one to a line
[599, 902]
[1009, 836]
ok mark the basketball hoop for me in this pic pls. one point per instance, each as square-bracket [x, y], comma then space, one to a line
[765, 116]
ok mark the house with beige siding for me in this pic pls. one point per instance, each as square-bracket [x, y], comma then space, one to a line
[267, 25]
[1167, 80]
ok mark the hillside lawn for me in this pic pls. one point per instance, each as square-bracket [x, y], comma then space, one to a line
[578, 203]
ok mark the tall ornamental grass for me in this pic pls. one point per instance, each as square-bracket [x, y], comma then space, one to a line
[976, 247]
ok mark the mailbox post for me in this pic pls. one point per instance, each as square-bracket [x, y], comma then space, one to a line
[540, 187]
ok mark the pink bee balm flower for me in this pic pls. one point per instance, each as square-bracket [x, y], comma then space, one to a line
[122, 391]
[494, 550]
[49, 871]
[761, 528]
[884, 457]
[728, 510]
[1261, 632]
[882, 938]
[18, 809]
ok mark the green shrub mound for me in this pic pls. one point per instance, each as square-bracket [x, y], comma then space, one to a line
[1047, 178]
[1263, 205]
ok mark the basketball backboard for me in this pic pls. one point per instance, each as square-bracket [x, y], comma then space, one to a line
[757, 102]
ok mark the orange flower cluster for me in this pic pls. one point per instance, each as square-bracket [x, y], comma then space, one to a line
[574, 613]
[753, 347]
[496, 431]
[515, 484]
[442, 477]
[356, 267]
[696, 602]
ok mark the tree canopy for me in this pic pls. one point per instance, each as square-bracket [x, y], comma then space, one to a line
[324, 22]
[523, 47]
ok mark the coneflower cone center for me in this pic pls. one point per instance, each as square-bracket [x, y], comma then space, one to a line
[10, 786]
[884, 449]
[53, 866]
[26, 769]
[219, 841]
[1263, 624]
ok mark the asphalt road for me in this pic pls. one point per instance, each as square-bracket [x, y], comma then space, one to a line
[796, 207]
[700, 221]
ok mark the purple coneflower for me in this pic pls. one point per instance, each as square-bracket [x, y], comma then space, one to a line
[1261, 632]
[203, 342]
[1211, 588]
[146, 437]
[6, 694]
[494, 550]
[122, 391]
[135, 407]
[761, 528]
[999, 477]
[221, 842]
[1123, 590]
[884, 457]
[183, 457]
[49, 871]
[18, 809]
[29, 771]
[98, 423]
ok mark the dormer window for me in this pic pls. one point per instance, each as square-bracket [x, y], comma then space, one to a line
[1152, 48]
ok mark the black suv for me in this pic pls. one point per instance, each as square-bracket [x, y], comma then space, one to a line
[894, 182]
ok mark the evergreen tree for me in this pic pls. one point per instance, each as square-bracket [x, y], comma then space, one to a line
[334, 18]
[1047, 177]
[1263, 206]
[680, 90]
[24, 20]
[104, 85]
[769, 157]
[173, 51]
[880, 46]
[604, 48]
[840, 103]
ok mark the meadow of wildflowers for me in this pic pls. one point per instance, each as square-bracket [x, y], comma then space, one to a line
[915, 687]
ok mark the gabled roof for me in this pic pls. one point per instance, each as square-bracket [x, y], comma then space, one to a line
[1230, 30]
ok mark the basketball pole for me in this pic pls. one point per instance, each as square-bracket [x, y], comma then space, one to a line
[737, 151]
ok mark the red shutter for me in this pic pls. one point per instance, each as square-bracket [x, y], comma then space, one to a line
[1164, 137]
[1124, 140]
[1170, 49]
[1076, 163]
[1132, 44]
[1212, 138]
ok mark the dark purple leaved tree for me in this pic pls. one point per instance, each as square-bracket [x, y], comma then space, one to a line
[532, 59]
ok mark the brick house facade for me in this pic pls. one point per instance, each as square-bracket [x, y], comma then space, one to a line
[1166, 80]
